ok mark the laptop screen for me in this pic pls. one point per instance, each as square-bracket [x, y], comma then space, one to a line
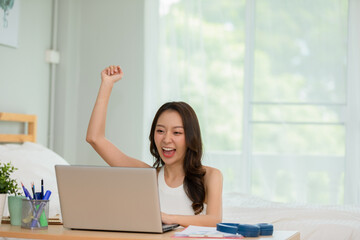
[109, 198]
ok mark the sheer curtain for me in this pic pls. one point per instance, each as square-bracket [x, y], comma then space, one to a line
[269, 81]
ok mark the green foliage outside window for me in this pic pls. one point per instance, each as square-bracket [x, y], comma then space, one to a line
[298, 86]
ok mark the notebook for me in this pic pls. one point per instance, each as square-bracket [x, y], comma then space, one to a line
[110, 198]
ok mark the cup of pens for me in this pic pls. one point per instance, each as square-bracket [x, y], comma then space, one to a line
[35, 214]
[35, 210]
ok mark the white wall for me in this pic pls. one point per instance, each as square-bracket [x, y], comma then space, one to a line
[24, 74]
[92, 35]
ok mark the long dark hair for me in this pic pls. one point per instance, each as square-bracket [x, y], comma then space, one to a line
[194, 171]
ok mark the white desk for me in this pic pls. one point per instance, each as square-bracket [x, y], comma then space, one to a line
[57, 232]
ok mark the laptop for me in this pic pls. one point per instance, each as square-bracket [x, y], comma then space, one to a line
[110, 198]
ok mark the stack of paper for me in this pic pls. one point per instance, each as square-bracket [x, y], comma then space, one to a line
[205, 232]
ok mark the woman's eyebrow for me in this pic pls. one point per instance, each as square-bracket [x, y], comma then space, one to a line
[160, 125]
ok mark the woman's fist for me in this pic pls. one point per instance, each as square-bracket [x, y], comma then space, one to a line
[112, 74]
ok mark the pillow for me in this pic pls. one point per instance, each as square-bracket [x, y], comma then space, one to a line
[34, 162]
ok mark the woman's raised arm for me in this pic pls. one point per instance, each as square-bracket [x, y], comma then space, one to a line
[96, 129]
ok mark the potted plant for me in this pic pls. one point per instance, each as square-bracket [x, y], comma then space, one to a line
[7, 184]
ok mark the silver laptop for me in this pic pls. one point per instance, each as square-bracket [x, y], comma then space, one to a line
[110, 198]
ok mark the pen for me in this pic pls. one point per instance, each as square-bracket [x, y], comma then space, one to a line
[42, 188]
[33, 189]
[26, 192]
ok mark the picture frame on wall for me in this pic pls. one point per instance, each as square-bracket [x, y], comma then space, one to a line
[9, 22]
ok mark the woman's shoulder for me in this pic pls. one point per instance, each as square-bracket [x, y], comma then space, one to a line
[212, 172]
[213, 181]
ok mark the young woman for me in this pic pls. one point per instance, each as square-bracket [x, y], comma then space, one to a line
[190, 193]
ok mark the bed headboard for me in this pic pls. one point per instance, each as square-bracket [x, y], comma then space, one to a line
[31, 121]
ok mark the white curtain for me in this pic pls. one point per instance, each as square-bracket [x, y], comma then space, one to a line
[269, 81]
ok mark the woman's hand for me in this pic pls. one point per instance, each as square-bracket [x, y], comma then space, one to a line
[166, 218]
[112, 74]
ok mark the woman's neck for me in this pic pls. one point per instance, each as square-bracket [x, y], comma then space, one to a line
[174, 175]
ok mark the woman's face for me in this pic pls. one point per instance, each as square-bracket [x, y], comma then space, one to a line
[169, 137]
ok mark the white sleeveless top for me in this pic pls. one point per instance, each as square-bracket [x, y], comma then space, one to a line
[174, 200]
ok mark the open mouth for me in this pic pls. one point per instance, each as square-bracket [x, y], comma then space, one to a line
[168, 152]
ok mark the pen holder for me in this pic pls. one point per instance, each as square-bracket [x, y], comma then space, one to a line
[35, 214]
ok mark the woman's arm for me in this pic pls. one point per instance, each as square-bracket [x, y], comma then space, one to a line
[213, 186]
[96, 129]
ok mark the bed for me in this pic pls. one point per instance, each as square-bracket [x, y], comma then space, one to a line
[314, 222]
[33, 160]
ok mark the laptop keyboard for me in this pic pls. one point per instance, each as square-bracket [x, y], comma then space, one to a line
[168, 227]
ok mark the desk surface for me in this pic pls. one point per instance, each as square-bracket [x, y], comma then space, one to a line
[59, 232]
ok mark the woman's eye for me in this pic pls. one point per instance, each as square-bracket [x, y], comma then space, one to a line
[159, 131]
[177, 133]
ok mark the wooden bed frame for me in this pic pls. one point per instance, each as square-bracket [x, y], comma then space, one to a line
[31, 121]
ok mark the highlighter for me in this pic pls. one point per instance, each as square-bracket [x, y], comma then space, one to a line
[43, 220]
[47, 195]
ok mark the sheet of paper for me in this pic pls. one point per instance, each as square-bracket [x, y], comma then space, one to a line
[205, 232]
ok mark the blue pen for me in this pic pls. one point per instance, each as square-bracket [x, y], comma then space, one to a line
[42, 188]
[26, 192]
[33, 189]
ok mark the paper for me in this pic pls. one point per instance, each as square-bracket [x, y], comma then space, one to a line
[205, 232]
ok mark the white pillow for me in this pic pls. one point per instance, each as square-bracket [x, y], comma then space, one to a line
[34, 162]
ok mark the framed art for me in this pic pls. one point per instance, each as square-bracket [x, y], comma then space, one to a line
[9, 22]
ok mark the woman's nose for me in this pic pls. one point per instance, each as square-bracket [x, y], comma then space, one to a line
[167, 138]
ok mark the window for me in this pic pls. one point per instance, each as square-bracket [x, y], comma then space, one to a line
[268, 80]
